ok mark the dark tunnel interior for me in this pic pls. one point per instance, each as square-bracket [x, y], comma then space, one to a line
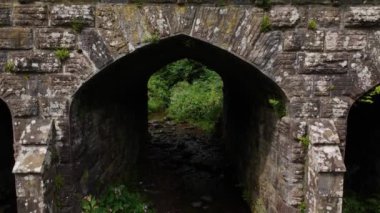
[7, 180]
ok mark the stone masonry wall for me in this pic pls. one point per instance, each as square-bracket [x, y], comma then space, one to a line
[321, 71]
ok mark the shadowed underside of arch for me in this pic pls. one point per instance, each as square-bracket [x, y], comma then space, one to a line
[7, 179]
[362, 179]
[108, 118]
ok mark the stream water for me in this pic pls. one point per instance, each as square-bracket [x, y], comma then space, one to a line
[183, 170]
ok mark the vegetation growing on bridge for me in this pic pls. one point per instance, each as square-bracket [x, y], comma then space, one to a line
[77, 25]
[369, 97]
[62, 54]
[9, 66]
[187, 91]
[312, 24]
[266, 24]
[278, 107]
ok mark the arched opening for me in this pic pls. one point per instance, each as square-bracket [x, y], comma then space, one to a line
[7, 179]
[109, 119]
[362, 159]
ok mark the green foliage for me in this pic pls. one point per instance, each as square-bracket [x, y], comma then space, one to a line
[352, 203]
[369, 97]
[116, 200]
[302, 207]
[159, 94]
[9, 66]
[62, 54]
[199, 103]
[188, 91]
[153, 38]
[305, 141]
[266, 24]
[312, 24]
[278, 107]
[77, 25]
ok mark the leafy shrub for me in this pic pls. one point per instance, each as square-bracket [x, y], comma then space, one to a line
[278, 107]
[266, 24]
[369, 97]
[153, 38]
[159, 94]
[116, 200]
[305, 141]
[9, 66]
[312, 24]
[188, 91]
[62, 54]
[199, 103]
[77, 25]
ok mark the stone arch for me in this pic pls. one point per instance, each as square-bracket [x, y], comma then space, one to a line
[111, 106]
[8, 202]
[362, 178]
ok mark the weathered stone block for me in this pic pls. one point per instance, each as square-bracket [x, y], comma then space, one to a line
[30, 15]
[362, 16]
[95, 47]
[35, 62]
[336, 107]
[284, 16]
[345, 40]
[53, 107]
[55, 38]
[325, 16]
[323, 132]
[323, 63]
[305, 108]
[24, 107]
[29, 204]
[293, 40]
[16, 38]
[322, 85]
[285, 62]
[30, 160]
[313, 40]
[108, 24]
[297, 86]
[217, 30]
[37, 132]
[61, 85]
[326, 159]
[5, 15]
[67, 14]
[78, 65]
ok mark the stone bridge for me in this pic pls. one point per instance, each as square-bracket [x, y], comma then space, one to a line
[73, 122]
